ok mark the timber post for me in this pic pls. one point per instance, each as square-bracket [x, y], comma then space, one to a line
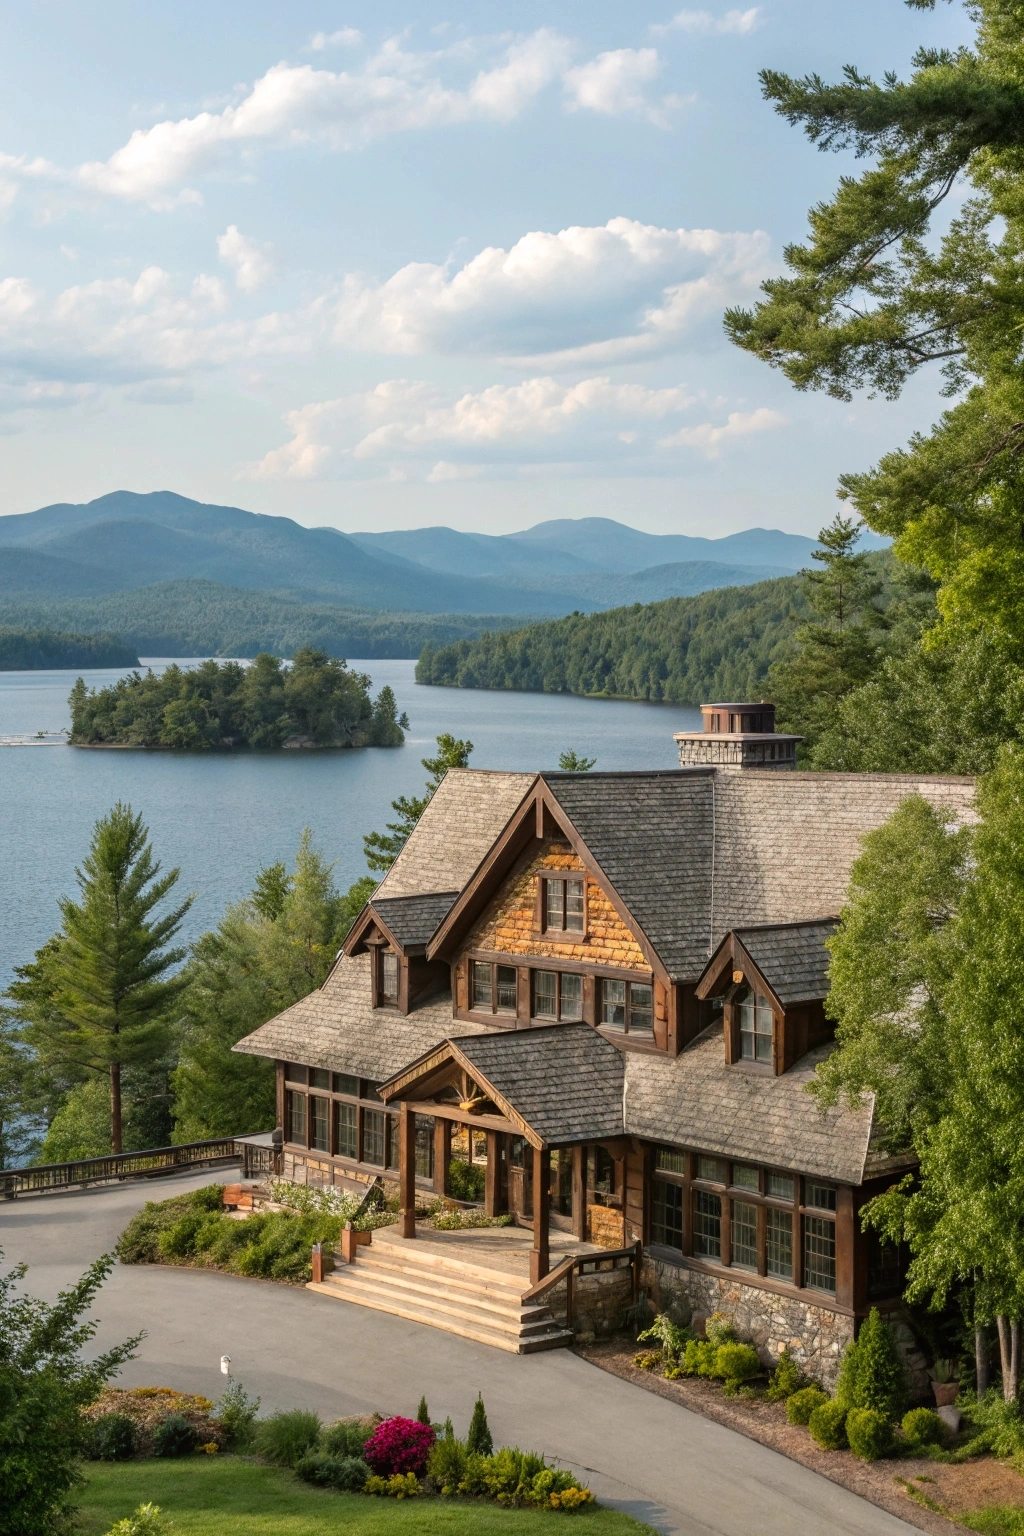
[407, 1170]
[540, 1261]
[442, 1154]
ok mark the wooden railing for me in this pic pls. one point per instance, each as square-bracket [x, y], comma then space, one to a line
[45, 1177]
[581, 1263]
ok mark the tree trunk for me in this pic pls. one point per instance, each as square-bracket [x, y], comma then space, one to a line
[981, 1358]
[1015, 1358]
[115, 1107]
[1009, 1355]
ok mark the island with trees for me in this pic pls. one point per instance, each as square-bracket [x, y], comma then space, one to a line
[313, 701]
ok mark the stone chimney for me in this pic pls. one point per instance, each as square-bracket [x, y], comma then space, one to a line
[737, 736]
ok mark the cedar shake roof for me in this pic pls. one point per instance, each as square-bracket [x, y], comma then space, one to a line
[462, 819]
[412, 919]
[698, 1101]
[651, 833]
[565, 1080]
[335, 1027]
[792, 958]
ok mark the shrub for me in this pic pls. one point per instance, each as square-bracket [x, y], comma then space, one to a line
[146, 1521]
[423, 1412]
[872, 1374]
[446, 1465]
[399, 1446]
[465, 1180]
[139, 1242]
[827, 1424]
[400, 1485]
[699, 1358]
[718, 1330]
[114, 1438]
[648, 1359]
[175, 1436]
[479, 1439]
[348, 1474]
[668, 1334]
[286, 1437]
[147, 1407]
[236, 1413]
[869, 1433]
[736, 1363]
[802, 1404]
[922, 1426]
[508, 1475]
[347, 1437]
[786, 1379]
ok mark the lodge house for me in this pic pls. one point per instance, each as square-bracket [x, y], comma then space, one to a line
[607, 991]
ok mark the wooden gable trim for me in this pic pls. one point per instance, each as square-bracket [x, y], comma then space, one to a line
[530, 823]
[442, 1056]
[730, 956]
[354, 941]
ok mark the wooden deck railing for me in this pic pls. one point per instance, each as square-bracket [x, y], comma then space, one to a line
[45, 1177]
[580, 1263]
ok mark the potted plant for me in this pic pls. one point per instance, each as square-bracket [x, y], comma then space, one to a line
[944, 1382]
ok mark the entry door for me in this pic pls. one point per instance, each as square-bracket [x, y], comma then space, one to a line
[520, 1178]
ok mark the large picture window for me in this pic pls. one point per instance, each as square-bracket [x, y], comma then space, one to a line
[755, 1016]
[563, 906]
[628, 1005]
[557, 995]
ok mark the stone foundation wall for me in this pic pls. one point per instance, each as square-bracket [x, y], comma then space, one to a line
[600, 1302]
[814, 1336]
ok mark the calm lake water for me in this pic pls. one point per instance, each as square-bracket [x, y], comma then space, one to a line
[219, 817]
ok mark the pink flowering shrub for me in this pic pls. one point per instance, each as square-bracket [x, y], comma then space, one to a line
[399, 1445]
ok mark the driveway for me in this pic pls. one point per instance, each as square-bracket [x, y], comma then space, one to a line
[638, 1452]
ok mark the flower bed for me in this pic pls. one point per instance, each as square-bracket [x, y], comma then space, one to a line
[147, 1409]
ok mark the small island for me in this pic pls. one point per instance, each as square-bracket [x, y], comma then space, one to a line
[50, 650]
[313, 701]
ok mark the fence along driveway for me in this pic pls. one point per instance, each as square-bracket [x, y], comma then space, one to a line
[46, 1178]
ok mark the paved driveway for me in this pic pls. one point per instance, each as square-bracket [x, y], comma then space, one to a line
[297, 1349]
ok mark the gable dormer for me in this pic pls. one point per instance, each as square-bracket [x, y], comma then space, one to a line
[772, 982]
[394, 932]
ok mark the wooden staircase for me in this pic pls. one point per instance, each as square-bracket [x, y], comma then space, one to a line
[475, 1300]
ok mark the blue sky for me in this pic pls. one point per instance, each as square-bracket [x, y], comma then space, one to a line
[385, 266]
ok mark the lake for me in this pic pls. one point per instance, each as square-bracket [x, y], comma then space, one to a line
[219, 816]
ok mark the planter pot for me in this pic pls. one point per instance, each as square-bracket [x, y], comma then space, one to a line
[946, 1393]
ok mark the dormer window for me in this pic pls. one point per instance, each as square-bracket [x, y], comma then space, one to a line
[563, 906]
[388, 977]
[756, 1023]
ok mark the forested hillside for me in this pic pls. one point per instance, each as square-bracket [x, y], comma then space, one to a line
[24, 650]
[683, 650]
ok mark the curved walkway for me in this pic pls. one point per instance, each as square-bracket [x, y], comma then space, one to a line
[680, 1472]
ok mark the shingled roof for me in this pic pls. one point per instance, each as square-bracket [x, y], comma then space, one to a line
[413, 919]
[651, 833]
[697, 1100]
[565, 1080]
[461, 821]
[792, 958]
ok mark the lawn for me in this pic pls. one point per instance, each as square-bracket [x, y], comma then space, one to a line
[229, 1496]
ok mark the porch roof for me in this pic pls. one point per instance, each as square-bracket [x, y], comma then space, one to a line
[562, 1082]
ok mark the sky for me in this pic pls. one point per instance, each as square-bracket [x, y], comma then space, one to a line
[386, 266]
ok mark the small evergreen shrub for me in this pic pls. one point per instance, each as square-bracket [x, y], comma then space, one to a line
[348, 1474]
[479, 1441]
[827, 1425]
[146, 1521]
[423, 1412]
[465, 1180]
[664, 1331]
[236, 1413]
[115, 1438]
[399, 1446]
[648, 1359]
[736, 1363]
[922, 1426]
[699, 1358]
[176, 1436]
[802, 1404]
[718, 1330]
[347, 1437]
[400, 1485]
[446, 1465]
[786, 1379]
[869, 1433]
[284, 1438]
[872, 1374]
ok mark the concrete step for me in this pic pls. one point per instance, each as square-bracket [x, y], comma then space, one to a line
[415, 1284]
[422, 1254]
[517, 1322]
[384, 1264]
[536, 1337]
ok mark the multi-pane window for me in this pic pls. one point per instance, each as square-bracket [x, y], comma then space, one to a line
[820, 1254]
[628, 1005]
[707, 1224]
[319, 1123]
[388, 977]
[755, 1015]
[557, 995]
[822, 1197]
[492, 988]
[563, 906]
[373, 1137]
[424, 1125]
[744, 1235]
[779, 1243]
[346, 1133]
[339, 1121]
[746, 1177]
[295, 1118]
[667, 1214]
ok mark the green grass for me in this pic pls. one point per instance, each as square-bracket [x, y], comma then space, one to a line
[229, 1496]
[996, 1520]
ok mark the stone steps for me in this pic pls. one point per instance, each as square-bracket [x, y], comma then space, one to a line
[468, 1299]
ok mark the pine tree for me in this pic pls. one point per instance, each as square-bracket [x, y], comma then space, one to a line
[571, 762]
[383, 848]
[479, 1438]
[422, 1412]
[100, 997]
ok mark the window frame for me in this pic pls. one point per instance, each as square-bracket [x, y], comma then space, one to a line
[494, 966]
[759, 1004]
[626, 1027]
[364, 1101]
[805, 1204]
[570, 877]
[389, 999]
[557, 1017]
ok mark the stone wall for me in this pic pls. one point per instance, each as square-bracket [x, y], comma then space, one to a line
[600, 1302]
[814, 1336]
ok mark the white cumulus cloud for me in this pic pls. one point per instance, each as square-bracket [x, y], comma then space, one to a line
[739, 23]
[711, 439]
[344, 37]
[251, 262]
[615, 83]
